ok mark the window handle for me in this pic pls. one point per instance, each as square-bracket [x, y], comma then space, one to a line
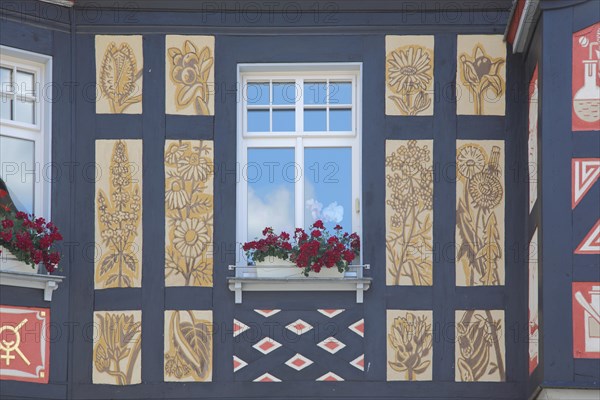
[357, 202]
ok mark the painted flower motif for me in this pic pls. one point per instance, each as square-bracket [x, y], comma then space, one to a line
[193, 167]
[118, 77]
[191, 237]
[410, 337]
[175, 152]
[176, 197]
[481, 73]
[190, 70]
[486, 190]
[408, 70]
[470, 161]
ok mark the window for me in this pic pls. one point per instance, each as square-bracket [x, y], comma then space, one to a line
[25, 128]
[299, 129]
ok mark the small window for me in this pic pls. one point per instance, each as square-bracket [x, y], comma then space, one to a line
[25, 130]
[298, 147]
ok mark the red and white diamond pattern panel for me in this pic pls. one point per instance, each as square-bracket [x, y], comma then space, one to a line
[359, 362]
[298, 362]
[239, 327]
[299, 345]
[299, 327]
[330, 377]
[331, 345]
[238, 363]
[267, 345]
[358, 327]
[267, 378]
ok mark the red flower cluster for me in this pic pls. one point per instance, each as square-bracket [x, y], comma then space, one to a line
[29, 239]
[271, 245]
[312, 251]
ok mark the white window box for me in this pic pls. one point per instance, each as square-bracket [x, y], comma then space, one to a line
[16, 273]
[352, 280]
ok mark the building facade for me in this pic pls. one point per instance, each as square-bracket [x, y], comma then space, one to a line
[459, 140]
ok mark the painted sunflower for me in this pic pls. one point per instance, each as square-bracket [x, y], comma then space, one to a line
[191, 237]
[408, 70]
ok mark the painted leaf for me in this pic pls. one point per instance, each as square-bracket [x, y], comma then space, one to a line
[192, 338]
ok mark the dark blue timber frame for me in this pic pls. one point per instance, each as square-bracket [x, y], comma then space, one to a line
[339, 32]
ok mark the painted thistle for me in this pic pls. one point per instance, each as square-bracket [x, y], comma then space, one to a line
[188, 211]
[480, 356]
[411, 340]
[480, 244]
[119, 218]
[117, 346]
[190, 69]
[188, 347]
[409, 189]
[119, 76]
[409, 73]
[480, 73]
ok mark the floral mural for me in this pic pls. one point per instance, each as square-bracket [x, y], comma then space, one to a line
[409, 212]
[409, 75]
[117, 347]
[409, 345]
[118, 256]
[480, 213]
[119, 74]
[188, 346]
[188, 212]
[480, 346]
[190, 75]
[586, 79]
[480, 75]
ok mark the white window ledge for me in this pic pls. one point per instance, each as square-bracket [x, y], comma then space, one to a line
[47, 283]
[240, 285]
[569, 394]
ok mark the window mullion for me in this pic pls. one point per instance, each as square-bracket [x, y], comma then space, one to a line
[299, 184]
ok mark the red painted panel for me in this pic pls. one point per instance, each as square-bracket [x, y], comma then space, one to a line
[586, 319]
[24, 344]
[586, 79]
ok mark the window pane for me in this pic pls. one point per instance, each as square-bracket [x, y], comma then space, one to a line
[315, 92]
[6, 80]
[270, 175]
[6, 105]
[17, 170]
[328, 187]
[284, 121]
[24, 83]
[258, 94]
[284, 93]
[340, 93]
[25, 111]
[315, 120]
[258, 121]
[340, 120]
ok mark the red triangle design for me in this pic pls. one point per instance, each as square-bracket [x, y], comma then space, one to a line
[591, 242]
[584, 173]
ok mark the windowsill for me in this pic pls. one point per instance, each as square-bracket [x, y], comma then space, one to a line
[253, 284]
[47, 283]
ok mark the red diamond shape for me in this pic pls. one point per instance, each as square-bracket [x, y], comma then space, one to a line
[299, 326]
[331, 345]
[236, 364]
[298, 362]
[266, 345]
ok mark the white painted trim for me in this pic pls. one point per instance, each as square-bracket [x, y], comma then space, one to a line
[298, 140]
[240, 285]
[40, 132]
[568, 394]
[47, 283]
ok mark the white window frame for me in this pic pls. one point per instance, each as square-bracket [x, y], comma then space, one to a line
[298, 140]
[41, 131]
